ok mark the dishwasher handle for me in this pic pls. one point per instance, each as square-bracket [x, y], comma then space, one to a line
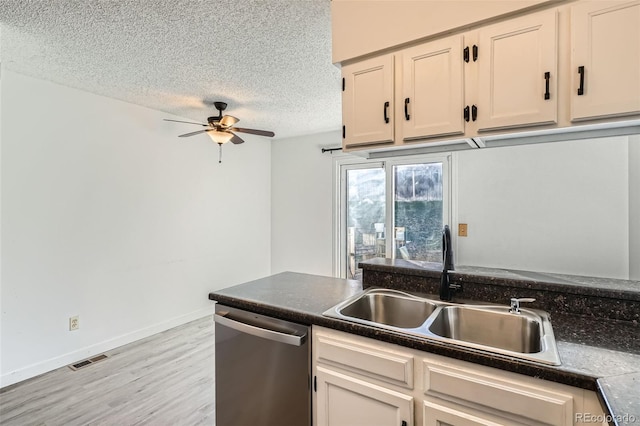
[265, 333]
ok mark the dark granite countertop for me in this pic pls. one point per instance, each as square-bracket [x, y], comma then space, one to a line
[577, 284]
[594, 355]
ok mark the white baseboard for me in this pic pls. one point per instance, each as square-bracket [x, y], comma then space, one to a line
[45, 366]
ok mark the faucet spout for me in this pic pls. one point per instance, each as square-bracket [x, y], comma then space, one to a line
[446, 288]
[447, 249]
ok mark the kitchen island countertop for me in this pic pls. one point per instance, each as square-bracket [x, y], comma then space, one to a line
[604, 365]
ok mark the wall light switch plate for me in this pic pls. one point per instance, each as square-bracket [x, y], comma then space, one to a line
[462, 229]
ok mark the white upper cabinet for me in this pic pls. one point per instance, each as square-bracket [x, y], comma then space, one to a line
[432, 89]
[605, 59]
[367, 101]
[571, 63]
[518, 72]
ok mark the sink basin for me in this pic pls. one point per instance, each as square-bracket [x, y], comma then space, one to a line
[490, 326]
[390, 308]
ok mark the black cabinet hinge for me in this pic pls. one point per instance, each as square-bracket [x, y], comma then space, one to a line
[465, 54]
[343, 84]
[343, 132]
[475, 53]
[315, 383]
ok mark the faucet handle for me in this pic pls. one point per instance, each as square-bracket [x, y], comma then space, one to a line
[515, 303]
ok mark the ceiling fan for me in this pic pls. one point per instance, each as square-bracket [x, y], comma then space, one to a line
[220, 129]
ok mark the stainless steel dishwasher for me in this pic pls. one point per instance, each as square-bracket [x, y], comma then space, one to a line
[262, 370]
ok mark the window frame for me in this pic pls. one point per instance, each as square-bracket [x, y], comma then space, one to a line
[340, 167]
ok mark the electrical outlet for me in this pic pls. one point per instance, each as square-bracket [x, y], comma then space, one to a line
[74, 323]
[462, 229]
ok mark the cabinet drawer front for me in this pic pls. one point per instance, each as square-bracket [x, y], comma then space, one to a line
[438, 415]
[490, 393]
[387, 366]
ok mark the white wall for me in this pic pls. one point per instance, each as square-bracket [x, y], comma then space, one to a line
[106, 214]
[556, 207]
[528, 207]
[302, 211]
[634, 207]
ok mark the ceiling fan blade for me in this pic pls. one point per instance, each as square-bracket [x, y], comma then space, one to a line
[253, 131]
[194, 133]
[187, 122]
[228, 121]
[236, 139]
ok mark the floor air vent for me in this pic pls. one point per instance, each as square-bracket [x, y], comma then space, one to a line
[87, 362]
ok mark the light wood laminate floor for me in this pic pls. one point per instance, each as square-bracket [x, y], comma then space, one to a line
[165, 379]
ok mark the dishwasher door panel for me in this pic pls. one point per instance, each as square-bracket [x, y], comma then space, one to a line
[259, 379]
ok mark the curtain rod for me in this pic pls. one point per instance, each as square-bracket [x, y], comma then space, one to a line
[330, 150]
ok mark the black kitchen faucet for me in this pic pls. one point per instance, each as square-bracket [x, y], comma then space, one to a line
[446, 288]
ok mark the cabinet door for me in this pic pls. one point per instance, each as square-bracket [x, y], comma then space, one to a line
[346, 401]
[433, 89]
[367, 101]
[438, 415]
[517, 72]
[605, 60]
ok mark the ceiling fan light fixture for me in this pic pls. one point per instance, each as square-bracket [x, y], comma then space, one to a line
[220, 137]
[228, 121]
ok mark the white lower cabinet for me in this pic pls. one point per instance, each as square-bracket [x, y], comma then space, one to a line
[509, 399]
[362, 381]
[344, 400]
[440, 415]
[358, 382]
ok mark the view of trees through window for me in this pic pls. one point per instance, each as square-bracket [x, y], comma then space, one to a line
[418, 211]
[416, 232]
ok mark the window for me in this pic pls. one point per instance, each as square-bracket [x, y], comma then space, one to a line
[364, 216]
[393, 209]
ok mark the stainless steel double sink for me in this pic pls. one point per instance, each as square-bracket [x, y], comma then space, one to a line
[523, 333]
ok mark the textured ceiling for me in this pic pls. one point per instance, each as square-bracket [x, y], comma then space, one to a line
[270, 60]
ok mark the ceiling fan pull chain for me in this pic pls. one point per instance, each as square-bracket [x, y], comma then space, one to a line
[219, 153]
